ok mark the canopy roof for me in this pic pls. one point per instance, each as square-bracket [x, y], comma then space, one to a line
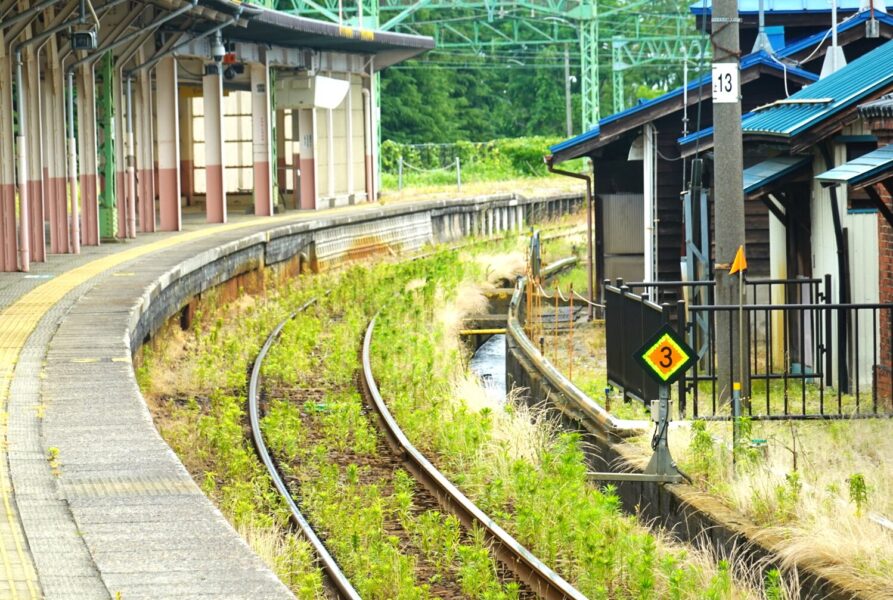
[862, 171]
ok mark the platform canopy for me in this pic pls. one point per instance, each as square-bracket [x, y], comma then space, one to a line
[867, 169]
[769, 171]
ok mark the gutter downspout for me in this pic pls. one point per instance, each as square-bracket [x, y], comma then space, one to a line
[73, 172]
[843, 283]
[367, 145]
[589, 241]
[130, 164]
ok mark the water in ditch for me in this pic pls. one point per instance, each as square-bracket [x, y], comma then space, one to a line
[488, 363]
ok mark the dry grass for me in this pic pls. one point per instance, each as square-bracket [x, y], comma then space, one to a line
[290, 557]
[518, 431]
[810, 507]
[502, 266]
[469, 299]
[171, 347]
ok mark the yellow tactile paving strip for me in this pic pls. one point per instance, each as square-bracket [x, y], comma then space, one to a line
[17, 322]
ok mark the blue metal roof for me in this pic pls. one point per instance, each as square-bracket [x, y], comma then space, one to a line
[766, 172]
[752, 60]
[862, 169]
[706, 132]
[570, 143]
[781, 6]
[826, 97]
[811, 41]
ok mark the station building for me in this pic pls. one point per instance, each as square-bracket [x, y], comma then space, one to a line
[806, 127]
[123, 116]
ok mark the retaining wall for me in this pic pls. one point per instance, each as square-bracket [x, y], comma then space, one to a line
[327, 242]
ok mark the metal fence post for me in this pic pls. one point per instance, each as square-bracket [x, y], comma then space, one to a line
[682, 327]
[458, 175]
[828, 337]
[400, 173]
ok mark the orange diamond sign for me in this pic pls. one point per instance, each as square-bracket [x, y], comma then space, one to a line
[665, 356]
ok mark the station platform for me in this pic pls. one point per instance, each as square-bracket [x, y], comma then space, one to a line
[95, 504]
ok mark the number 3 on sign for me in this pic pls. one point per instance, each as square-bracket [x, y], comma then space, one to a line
[667, 360]
[725, 82]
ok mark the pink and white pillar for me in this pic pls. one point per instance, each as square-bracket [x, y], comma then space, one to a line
[296, 156]
[8, 244]
[368, 142]
[170, 217]
[145, 160]
[53, 131]
[215, 192]
[86, 99]
[307, 161]
[187, 149]
[34, 160]
[261, 145]
[282, 158]
[122, 150]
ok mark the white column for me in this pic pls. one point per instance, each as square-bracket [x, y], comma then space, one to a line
[649, 177]
[166, 109]
[215, 191]
[261, 139]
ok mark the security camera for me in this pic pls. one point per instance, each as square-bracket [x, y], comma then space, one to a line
[83, 40]
[232, 70]
[218, 50]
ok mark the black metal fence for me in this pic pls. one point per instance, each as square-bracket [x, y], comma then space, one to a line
[806, 358]
[756, 291]
[630, 321]
[804, 361]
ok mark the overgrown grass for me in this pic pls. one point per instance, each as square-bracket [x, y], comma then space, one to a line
[349, 488]
[196, 383]
[528, 476]
[496, 160]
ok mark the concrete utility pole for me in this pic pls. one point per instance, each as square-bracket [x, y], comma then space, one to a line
[567, 93]
[728, 185]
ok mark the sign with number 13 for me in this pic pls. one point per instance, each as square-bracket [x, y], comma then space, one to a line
[725, 82]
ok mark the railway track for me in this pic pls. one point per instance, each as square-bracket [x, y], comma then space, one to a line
[333, 572]
[538, 578]
[541, 579]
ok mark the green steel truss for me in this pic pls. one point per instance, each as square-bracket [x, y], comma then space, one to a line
[630, 52]
[621, 38]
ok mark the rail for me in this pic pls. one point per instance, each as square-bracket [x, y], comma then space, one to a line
[527, 567]
[332, 570]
